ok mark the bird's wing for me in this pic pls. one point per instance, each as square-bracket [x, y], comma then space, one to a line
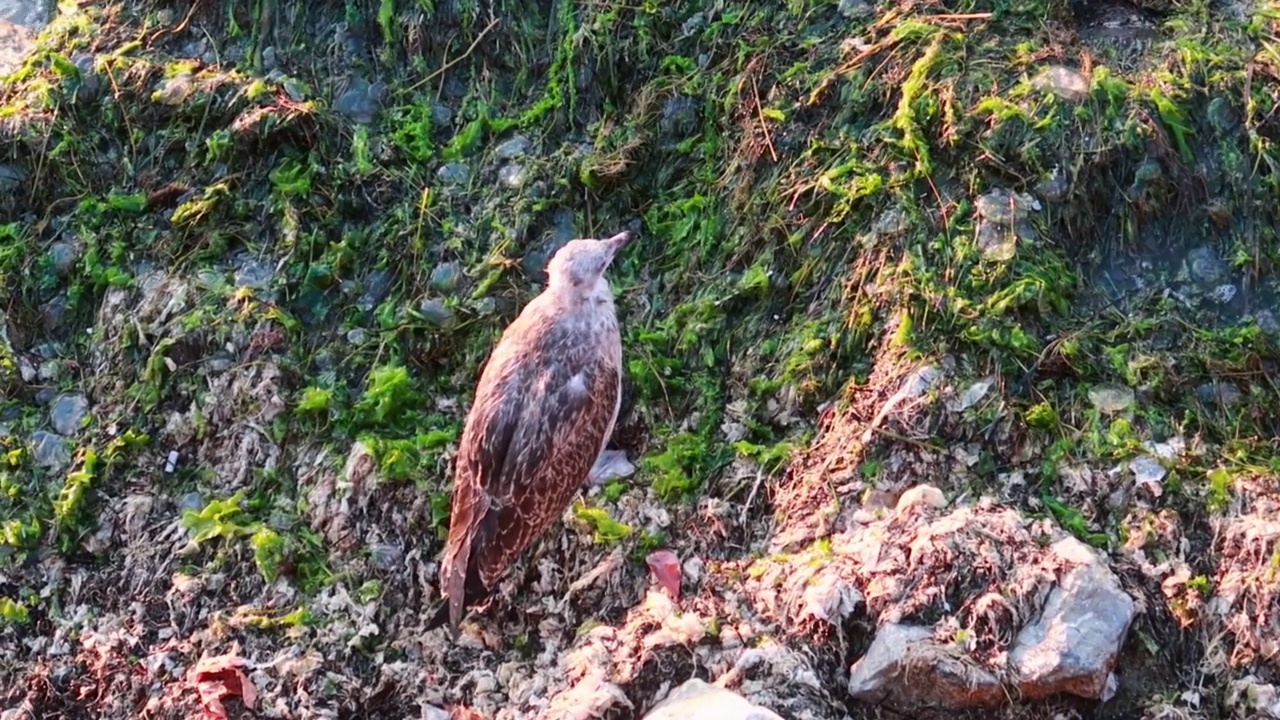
[560, 433]
[482, 454]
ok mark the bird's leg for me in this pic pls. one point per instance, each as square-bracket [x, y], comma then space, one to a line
[611, 464]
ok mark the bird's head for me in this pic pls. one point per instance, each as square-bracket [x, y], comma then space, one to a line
[581, 264]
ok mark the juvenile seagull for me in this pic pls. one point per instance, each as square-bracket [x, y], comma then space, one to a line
[546, 405]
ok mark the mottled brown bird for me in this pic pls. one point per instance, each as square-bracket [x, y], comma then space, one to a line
[545, 406]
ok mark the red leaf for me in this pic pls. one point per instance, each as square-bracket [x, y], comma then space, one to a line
[665, 567]
[219, 677]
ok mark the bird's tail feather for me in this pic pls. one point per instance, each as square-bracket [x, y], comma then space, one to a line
[474, 592]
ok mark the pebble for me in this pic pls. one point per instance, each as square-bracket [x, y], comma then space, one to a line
[435, 312]
[68, 412]
[256, 274]
[64, 255]
[11, 177]
[1064, 82]
[513, 148]
[193, 501]
[446, 276]
[1110, 399]
[454, 174]
[376, 287]
[50, 450]
[853, 9]
[387, 557]
[513, 176]
[1224, 393]
[361, 101]
[1206, 265]
[679, 116]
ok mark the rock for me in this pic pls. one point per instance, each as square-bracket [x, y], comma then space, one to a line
[16, 42]
[445, 277]
[1003, 219]
[386, 557]
[611, 465]
[1072, 646]
[90, 82]
[907, 668]
[1205, 265]
[1220, 393]
[50, 450]
[376, 287]
[853, 9]
[270, 59]
[11, 177]
[513, 148]
[679, 116]
[1110, 399]
[1223, 294]
[64, 256]
[193, 501]
[53, 313]
[360, 102]
[1055, 187]
[435, 312]
[513, 176]
[1250, 694]
[441, 114]
[256, 274]
[1069, 647]
[1064, 82]
[697, 700]
[67, 413]
[1222, 116]
[174, 90]
[454, 174]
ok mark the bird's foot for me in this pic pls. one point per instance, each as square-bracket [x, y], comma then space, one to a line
[610, 465]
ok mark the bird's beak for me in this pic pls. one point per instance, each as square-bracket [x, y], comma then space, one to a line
[619, 241]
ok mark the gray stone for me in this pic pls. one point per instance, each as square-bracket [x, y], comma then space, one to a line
[376, 287]
[68, 412]
[454, 174]
[679, 116]
[697, 700]
[907, 668]
[360, 102]
[11, 177]
[64, 255]
[256, 274]
[513, 176]
[193, 501]
[1064, 82]
[513, 148]
[854, 9]
[435, 312]
[1072, 646]
[1055, 187]
[53, 313]
[386, 557]
[441, 114]
[50, 450]
[446, 276]
[1206, 265]
[1221, 393]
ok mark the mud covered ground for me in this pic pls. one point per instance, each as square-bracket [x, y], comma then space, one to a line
[253, 255]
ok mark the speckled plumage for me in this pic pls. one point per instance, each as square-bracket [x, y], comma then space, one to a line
[544, 408]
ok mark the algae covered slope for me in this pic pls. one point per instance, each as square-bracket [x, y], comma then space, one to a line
[253, 255]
